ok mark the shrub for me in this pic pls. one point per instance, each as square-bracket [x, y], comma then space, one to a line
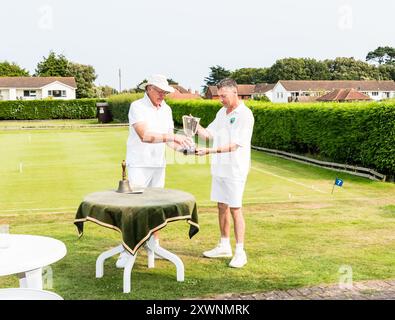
[119, 105]
[351, 133]
[48, 109]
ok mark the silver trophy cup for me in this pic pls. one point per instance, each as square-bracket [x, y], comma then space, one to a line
[190, 126]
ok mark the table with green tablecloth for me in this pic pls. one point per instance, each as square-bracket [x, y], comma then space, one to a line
[136, 216]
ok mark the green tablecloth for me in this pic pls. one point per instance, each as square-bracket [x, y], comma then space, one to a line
[137, 216]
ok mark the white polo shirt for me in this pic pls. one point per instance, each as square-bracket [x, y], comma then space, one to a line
[235, 127]
[158, 120]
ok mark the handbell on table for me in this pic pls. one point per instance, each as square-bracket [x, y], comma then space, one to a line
[124, 186]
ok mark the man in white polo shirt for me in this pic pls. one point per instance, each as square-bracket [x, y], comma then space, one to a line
[150, 127]
[231, 132]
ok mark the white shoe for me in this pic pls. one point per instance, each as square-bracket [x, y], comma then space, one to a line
[122, 259]
[239, 260]
[220, 251]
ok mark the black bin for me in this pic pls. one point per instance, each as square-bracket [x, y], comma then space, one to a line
[103, 112]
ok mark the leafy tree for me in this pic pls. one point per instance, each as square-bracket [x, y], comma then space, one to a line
[288, 69]
[12, 70]
[217, 73]
[351, 69]
[84, 77]
[298, 69]
[387, 72]
[104, 91]
[382, 55]
[250, 75]
[52, 66]
[316, 70]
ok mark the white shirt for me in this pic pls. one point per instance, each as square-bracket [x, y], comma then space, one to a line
[158, 120]
[235, 127]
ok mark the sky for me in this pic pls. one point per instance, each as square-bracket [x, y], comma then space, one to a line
[181, 39]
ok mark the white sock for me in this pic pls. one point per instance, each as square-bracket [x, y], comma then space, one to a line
[225, 242]
[157, 242]
[239, 247]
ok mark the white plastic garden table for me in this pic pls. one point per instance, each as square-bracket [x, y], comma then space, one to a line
[26, 256]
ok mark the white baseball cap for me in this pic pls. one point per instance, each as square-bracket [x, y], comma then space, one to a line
[159, 81]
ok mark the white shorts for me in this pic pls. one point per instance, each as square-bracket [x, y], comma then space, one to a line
[227, 191]
[147, 177]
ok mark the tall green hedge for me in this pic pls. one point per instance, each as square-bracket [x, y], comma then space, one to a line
[119, 105]
[48, 109]
[353, 133]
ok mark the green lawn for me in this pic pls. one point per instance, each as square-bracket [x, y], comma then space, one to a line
[298, 233]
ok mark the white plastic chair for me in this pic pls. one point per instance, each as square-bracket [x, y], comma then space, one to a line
[27, 294]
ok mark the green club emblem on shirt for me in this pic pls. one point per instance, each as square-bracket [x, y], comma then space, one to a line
[232, 120]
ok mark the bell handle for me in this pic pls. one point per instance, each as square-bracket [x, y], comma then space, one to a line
[123, 170]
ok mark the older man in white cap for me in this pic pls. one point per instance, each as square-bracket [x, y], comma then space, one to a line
[150, 127]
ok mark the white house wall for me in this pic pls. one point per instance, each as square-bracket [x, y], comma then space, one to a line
[70, 92]
[19, 94]
[4, 94]
[381, 95]
[280, 94]
[12, 94]
[269, 95]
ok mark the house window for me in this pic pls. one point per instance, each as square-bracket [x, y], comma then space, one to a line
[375, 93]
[29, 93]
[386, 94]
[57, 93]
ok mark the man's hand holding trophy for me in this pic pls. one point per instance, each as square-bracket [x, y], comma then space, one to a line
[190, 126]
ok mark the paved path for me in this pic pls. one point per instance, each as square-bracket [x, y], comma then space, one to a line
[363, 290]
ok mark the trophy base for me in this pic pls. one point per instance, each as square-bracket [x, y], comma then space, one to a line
[189, 151]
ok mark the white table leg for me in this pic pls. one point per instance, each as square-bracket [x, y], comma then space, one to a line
[31, 279]
[104, 256]
[151, 258]
[168, 256]
[127, 271]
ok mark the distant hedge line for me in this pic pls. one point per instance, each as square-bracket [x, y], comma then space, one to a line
[48, 109]
[352, 133]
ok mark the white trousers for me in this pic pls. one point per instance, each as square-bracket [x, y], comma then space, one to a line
[151, 177]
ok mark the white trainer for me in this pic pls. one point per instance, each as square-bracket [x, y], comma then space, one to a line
[221, 251]
[239, 260]
[122, 259]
